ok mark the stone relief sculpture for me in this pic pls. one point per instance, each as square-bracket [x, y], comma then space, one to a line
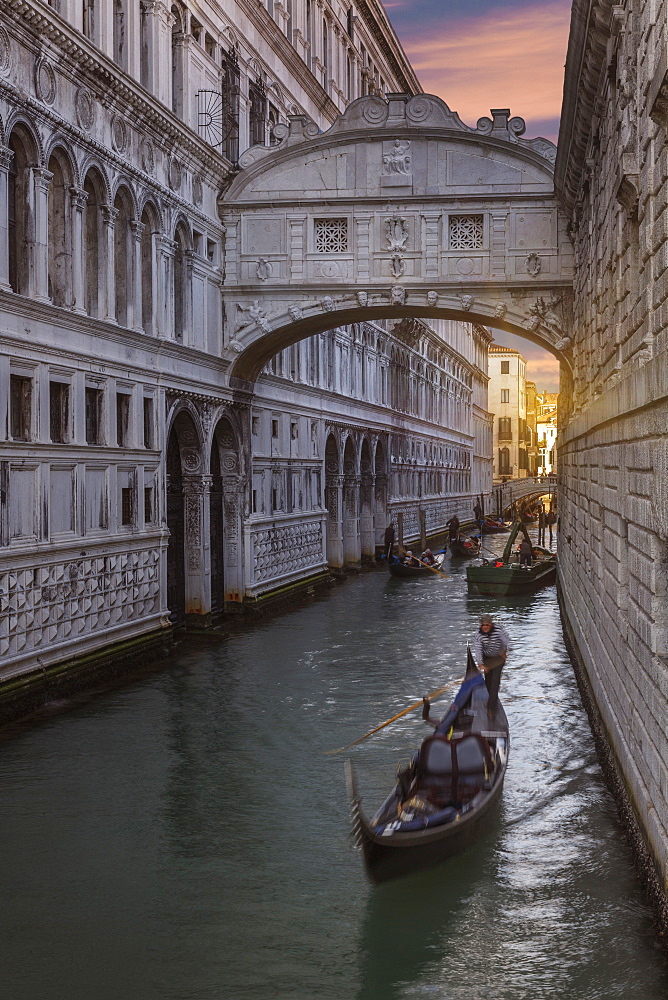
[327, 303]
[295, 313]
[398, 266]
[500, 310]
[397, 233]
[264, 270]
[398, 160]
[466, 301]
[257, 315]
[432, 298]
[363, 298]
[533, 264]
[398, 295]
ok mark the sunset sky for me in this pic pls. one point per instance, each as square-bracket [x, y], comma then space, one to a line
[482, 54]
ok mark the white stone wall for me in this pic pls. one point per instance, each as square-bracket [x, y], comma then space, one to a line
[613, 455]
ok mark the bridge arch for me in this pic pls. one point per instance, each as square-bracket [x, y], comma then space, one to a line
[398, 210]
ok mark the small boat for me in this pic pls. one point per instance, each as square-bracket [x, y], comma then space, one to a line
[444, 799]
[494, 527]
[405, 572]
[504, 576]
[465, 546]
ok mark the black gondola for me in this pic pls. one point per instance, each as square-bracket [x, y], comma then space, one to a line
[444, 799]
[465, 546]
[494, 528]
[398, 569]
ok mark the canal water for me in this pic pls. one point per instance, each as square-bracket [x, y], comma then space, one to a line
[186, 837]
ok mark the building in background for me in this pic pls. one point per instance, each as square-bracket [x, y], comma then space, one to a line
[137, 489]
[507, 401]
[531, 429]
[547, 405]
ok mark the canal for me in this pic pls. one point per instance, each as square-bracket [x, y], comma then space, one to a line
[187, 837]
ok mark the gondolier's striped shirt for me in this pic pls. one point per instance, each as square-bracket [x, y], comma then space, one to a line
[495, 643]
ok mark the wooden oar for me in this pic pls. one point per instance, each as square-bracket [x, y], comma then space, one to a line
[411, 708]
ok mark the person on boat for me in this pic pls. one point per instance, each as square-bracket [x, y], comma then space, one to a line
[477, 513]
[453, 528]
[388, 541]
[490, 648]
[526, 552]
[410, 560]
[428, 557]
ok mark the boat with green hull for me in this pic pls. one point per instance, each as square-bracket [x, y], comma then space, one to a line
[505, 577]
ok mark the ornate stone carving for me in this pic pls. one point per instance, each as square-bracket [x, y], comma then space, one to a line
[197, 190]
[286, 549]
[533, 264]
[263, 269]
[466, 301]
[363, 298]
[327, 303]
[396, 233]
[432, 298]
[85, 108]
[45, 81]
[147, 156]
[119, 134]
[398, 160]
[295, 313]
[545, 315]
[500, 310]
[257, 315]
[398, 266]
[397, 295]
[5, 52]
[174, 174]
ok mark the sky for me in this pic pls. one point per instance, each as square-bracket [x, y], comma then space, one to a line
[483, 54]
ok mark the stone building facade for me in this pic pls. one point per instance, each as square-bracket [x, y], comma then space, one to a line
[612, 176]
[135, 488]
[508, 403]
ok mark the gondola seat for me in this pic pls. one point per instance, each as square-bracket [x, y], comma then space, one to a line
[466, 761]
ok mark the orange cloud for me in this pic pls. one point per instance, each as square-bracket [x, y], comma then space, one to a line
[506, 59]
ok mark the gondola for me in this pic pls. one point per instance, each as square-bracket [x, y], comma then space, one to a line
[505, 577]
[494, 528]
[444, 799]
[410, 572]
[458, 547]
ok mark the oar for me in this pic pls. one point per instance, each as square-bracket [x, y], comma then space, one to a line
[411, 708]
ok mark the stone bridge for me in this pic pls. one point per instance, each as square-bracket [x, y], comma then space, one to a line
[398, 210]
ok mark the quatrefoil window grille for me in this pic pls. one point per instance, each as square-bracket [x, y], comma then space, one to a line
[331, 235]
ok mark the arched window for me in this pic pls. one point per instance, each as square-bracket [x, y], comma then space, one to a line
[149, 222]
[177, 61]
[180, 287]
[92, 237]
[122, 257]
[18, 216]
[60, 253]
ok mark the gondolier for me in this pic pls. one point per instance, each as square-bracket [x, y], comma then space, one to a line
[490, 648]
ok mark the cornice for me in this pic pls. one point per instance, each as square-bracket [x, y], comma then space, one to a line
[586, 61]
[109, 84]
[380, 27]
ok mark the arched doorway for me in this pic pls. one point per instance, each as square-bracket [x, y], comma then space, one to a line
[186, 552]
[333, 490]
[225, 510]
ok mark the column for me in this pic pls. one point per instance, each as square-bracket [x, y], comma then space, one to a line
[351, 523]
[196, 501]
[107, 308]
[334, 502]
[233, 554]
[367, 534]
[38, 252]
[6, 156]
[135, 298]
[77, 204]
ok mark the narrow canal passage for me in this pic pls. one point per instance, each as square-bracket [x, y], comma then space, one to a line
[186, 838]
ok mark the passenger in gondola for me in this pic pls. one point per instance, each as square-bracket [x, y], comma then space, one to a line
[428, 557]
[526, 552]
[490, 648]
[410, 560]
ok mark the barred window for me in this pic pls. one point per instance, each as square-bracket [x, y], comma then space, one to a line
[331, 235]
[466, 232]
[127, 504]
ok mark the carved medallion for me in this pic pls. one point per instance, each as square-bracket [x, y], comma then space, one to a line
[119, 134]
[5, 52]
[45, 81]
[85, 108]
[147, 156]
[533, 264]
[174, 174]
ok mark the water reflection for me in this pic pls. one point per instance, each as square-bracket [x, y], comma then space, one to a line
[188, 837]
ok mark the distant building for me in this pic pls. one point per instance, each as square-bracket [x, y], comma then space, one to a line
[547, 406]
[532, 431]
[508, 402]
